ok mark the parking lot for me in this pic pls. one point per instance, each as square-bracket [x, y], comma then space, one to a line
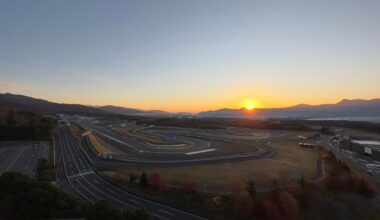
[22, 157]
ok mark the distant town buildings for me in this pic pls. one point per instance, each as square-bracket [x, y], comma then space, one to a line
[366, 147]
[369, 148]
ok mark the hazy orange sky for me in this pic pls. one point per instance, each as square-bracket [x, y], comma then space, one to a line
[191, 56]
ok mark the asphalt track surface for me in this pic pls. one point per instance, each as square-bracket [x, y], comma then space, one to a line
[93, 188]
[134, 148]
[22, 158]
[140, 153]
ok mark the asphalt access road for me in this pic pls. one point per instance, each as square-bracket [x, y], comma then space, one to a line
[94, 188]
[22, 158]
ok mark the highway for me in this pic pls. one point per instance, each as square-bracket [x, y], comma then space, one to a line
[350, 160]
[93, 188]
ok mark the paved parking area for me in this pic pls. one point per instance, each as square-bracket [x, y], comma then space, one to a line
[22, 157]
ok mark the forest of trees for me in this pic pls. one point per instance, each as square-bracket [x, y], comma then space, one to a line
[25, 125]
[22, 197]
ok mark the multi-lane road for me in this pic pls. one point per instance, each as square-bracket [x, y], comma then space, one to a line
[93, 188]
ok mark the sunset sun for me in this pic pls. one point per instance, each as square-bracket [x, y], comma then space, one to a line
[249, 104]
[250, 107]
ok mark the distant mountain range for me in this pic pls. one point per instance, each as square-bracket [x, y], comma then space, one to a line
[8, 100]
[136, 112]
[345, 108]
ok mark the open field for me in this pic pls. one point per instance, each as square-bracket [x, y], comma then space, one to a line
[290, 163]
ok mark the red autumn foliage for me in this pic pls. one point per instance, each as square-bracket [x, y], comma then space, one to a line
[259, 209]
[189, 186]
[116, 178]
[242, 206]
[289, 205]
[272, 211]
[154, 180]
[335, 184]
[364, 188]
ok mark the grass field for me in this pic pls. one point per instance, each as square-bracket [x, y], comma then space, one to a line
[290, 163]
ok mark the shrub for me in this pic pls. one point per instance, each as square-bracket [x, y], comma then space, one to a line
[335, 184]
[132, 178]
[242, 206]
[289, 205]
[143, 180]
[272, 211]
[364, 189]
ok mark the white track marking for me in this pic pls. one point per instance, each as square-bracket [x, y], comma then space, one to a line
[200, 151]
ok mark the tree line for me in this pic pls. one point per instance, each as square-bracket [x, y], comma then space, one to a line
[22, 197]
[25, 125]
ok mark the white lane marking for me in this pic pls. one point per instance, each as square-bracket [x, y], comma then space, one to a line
[165, 212]
[82, 194]
[14, 161]
[117, 140]
[149, 201]
[158, 216]
[134, 201]
[132, 206]
[199, 152]
[111, 190]
[92, 186]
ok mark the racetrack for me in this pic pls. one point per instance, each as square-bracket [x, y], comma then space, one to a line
[203, 148]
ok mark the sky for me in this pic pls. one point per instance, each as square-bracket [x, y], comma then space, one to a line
[190, 56]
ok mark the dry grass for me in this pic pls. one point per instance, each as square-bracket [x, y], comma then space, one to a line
[75, 129]
[290, 163]
[96, 143]
[101, 147]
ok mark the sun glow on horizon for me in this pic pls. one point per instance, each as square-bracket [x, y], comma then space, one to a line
[249, 104]
[250, 107]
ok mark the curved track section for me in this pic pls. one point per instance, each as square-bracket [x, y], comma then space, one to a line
[215, 151]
